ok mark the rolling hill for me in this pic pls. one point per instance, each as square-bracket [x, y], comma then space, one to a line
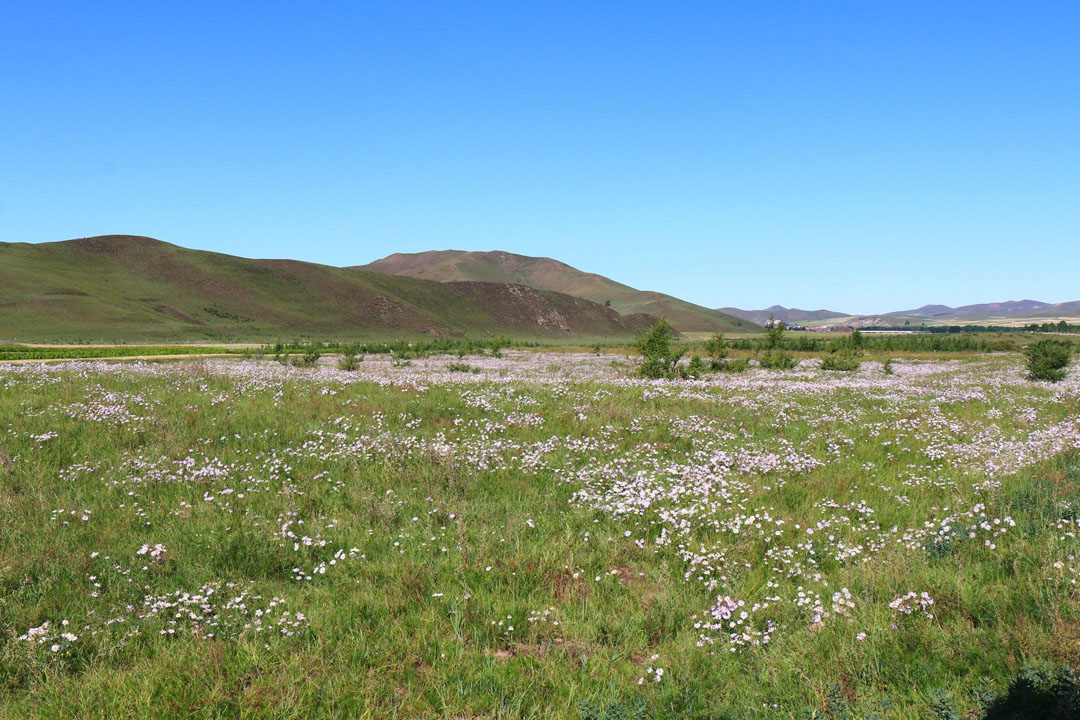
[548, 274]
[121, 287]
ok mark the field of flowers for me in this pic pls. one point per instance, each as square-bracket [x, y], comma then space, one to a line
[535, 535]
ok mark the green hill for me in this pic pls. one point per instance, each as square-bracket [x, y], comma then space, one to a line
[127, 288]
[548, 274]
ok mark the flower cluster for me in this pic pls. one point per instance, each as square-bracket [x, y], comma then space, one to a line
[913, 602]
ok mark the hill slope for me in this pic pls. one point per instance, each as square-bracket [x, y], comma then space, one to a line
[126, 287]
[548, 274]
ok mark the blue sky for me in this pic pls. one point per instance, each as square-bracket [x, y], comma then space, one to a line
[858, 156]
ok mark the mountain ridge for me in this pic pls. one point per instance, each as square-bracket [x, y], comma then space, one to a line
[1005, 312]
[790, 316]
[550, 274]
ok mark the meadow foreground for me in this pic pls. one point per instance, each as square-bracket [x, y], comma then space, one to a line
[517, 536]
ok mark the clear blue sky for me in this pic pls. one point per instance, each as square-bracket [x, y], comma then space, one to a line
[863, 156]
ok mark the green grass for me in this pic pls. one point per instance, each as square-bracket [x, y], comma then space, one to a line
[460, 493]
[26, 352]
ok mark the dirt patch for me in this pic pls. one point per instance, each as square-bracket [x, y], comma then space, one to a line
[565, 586]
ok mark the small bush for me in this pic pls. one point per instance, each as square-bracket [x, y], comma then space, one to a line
[693, 369]
[939, 548]
[717, 350]
[774, 334]
[942, 706]
[349, 363]
[1048, 360]
[659, 358]
[462, 367]
[840, 361]
[733, 365]
[1039, 691]
[308, 359]
[855, 341]
[776, 360]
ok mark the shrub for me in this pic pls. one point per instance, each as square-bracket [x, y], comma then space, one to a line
[1038, 691]
[942, 706]
[693, 369]
[774, 334]
[1048, 359]
[717, 350]
[855, 341]
[498, 345]
[841, 361]
[462, 367]
[308, 359]
[776, 360]
[659, 358]
[733, 365]
[349, 362]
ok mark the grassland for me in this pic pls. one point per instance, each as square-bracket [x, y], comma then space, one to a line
[509, 537]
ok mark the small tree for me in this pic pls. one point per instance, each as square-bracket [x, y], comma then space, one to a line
[843, 361]
[774, 357]
[349, 361]
[1048, 359]
[855, 341]
[693, 369]
[776, 360]
[734, 365]
[659, 358]
[717, 350]
[774, 334]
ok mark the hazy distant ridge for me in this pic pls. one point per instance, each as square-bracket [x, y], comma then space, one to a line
[790, 316]
[1009, 312]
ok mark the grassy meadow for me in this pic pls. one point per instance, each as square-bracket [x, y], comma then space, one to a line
[535, 535]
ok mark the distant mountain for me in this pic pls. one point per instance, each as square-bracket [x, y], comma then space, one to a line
[1012, 312]
[1026, 308]
[926, 311]
[121, 287]
[548, 274]
[790, 316]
